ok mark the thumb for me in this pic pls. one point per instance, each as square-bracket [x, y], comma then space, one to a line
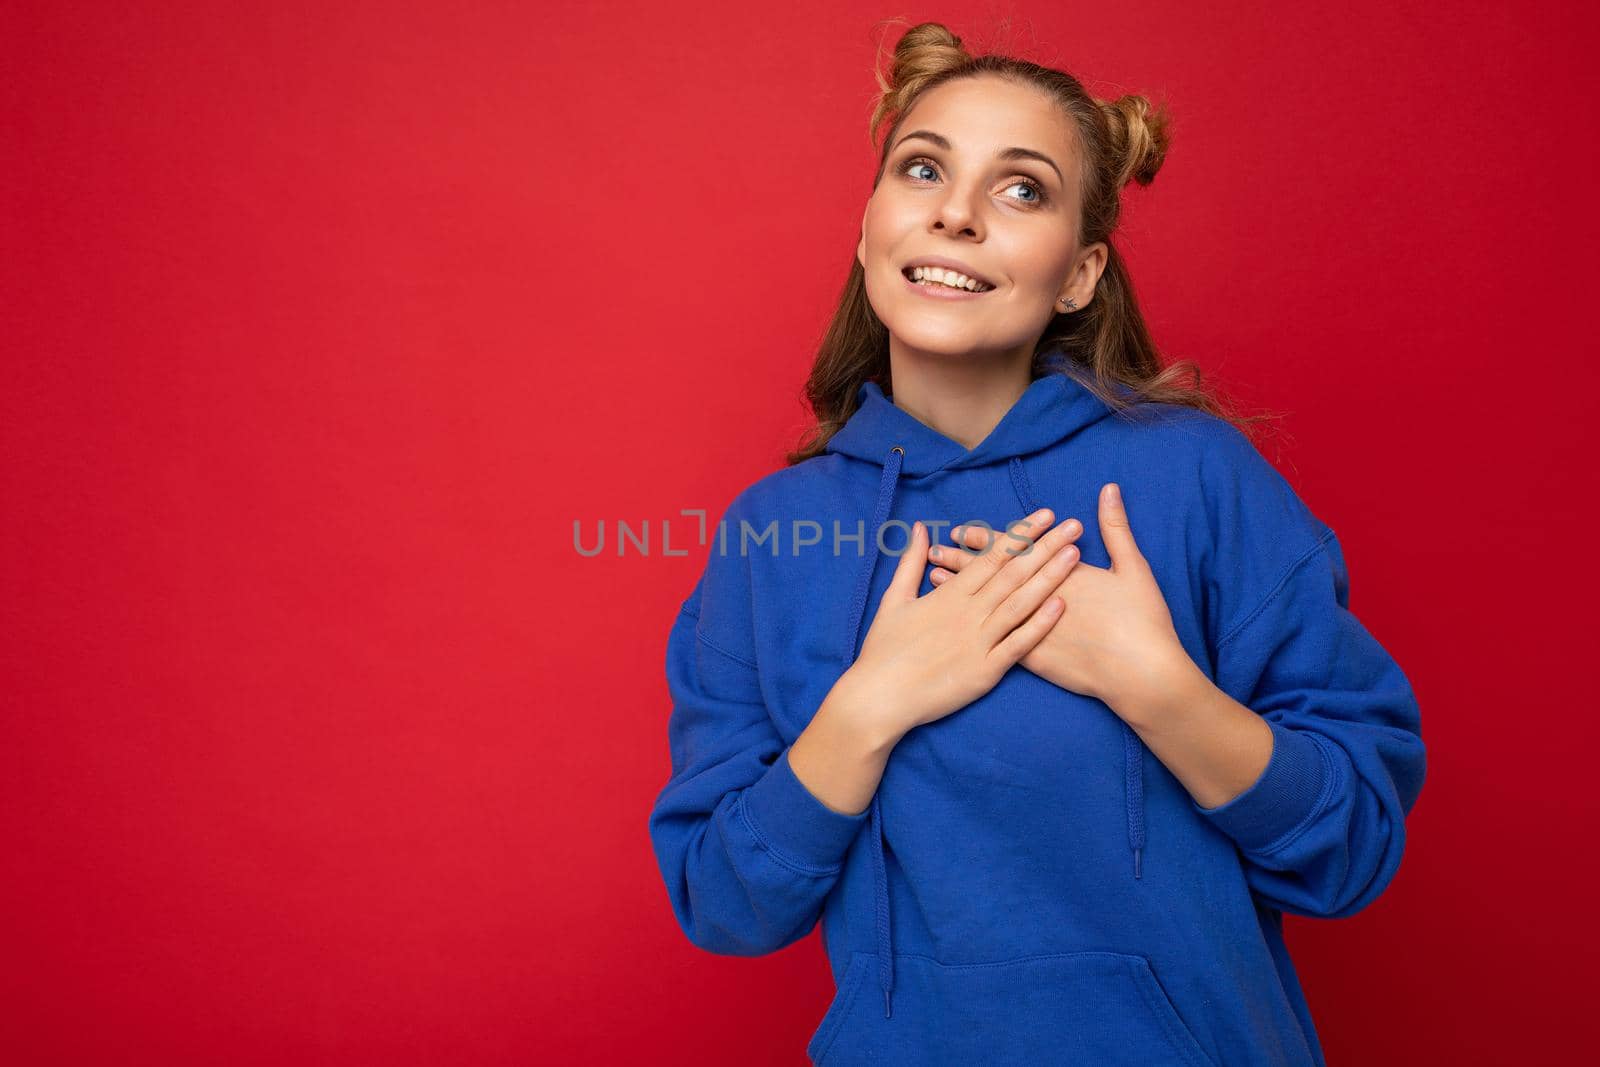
[908, 574]
[1114, 528]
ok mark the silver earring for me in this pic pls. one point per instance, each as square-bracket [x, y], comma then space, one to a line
[1069, 304]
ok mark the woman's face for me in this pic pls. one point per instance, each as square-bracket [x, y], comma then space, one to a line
[983, 172]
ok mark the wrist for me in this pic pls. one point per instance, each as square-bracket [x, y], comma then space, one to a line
[1167, 688]
[867, 717]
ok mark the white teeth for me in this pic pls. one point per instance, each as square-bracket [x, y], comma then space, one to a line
[940, 276]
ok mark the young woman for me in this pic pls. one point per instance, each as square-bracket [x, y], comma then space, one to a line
[1052, 805]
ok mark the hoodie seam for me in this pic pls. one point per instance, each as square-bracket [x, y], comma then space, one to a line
[1163, 1013]
[1331, 781]
[713, 646]
[949, 463]
[1012, 961]
[1282, 583]
[783, 860]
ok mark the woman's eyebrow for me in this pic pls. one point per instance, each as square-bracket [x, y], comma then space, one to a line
[1005, 153]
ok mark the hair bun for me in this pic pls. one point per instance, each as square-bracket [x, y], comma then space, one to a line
[926, 51]
[1138, 137]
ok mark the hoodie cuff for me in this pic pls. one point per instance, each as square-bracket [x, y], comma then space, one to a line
[796, 827]
[1287, 795]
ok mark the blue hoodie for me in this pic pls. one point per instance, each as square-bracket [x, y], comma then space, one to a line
[1030, 884]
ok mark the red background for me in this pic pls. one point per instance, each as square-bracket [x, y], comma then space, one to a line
[322, 743]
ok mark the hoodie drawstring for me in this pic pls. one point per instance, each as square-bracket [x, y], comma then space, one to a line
[1132, 747]
[1133, 791]
[858, 604]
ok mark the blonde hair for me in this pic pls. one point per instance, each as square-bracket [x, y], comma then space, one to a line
[1107, 342]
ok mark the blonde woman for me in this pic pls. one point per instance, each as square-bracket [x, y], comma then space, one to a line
[1050, 796]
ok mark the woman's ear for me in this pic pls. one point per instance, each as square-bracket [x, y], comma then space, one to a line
[1091, 265]
[861, 249]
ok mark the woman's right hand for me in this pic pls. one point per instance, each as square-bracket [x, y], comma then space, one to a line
[926, 657]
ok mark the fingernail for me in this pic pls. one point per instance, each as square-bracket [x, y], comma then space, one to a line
[1042, 515]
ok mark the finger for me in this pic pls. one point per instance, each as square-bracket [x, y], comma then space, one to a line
[968, 542]
[1020, 642]
[1115, 530]
[949, 557]
[1015, 542]
[1016, 570]
[908, 574]
[938, 576]
[972, 540]
[956, 556]
[1028, 596]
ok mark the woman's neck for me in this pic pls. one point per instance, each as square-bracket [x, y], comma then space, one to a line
[964, 399]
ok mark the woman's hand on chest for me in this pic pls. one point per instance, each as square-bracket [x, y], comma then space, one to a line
[1115, 641]
[927, 656]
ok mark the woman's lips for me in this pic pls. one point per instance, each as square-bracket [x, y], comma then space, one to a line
[944, 292]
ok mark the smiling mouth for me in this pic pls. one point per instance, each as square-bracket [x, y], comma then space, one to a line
[935, 278]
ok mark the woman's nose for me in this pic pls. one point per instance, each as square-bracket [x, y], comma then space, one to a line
[955, 212]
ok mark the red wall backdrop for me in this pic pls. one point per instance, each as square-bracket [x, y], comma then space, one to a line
[323, 323]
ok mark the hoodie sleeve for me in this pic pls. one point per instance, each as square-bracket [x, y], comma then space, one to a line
[1322, 829]
[747, 852]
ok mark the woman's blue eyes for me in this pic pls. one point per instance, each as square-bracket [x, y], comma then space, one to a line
[1039, 194]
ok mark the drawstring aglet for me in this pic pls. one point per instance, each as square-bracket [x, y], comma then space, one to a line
[1138, 863]
[886, 1004]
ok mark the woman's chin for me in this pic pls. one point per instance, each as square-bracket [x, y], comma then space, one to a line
[953, 344]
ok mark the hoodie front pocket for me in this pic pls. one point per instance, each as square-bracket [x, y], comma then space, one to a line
[1100, 1008]
[844, 995]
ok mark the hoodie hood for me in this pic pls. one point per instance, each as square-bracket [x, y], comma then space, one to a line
[1052, 408]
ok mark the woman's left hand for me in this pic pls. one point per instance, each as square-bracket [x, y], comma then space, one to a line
[1115, 641]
